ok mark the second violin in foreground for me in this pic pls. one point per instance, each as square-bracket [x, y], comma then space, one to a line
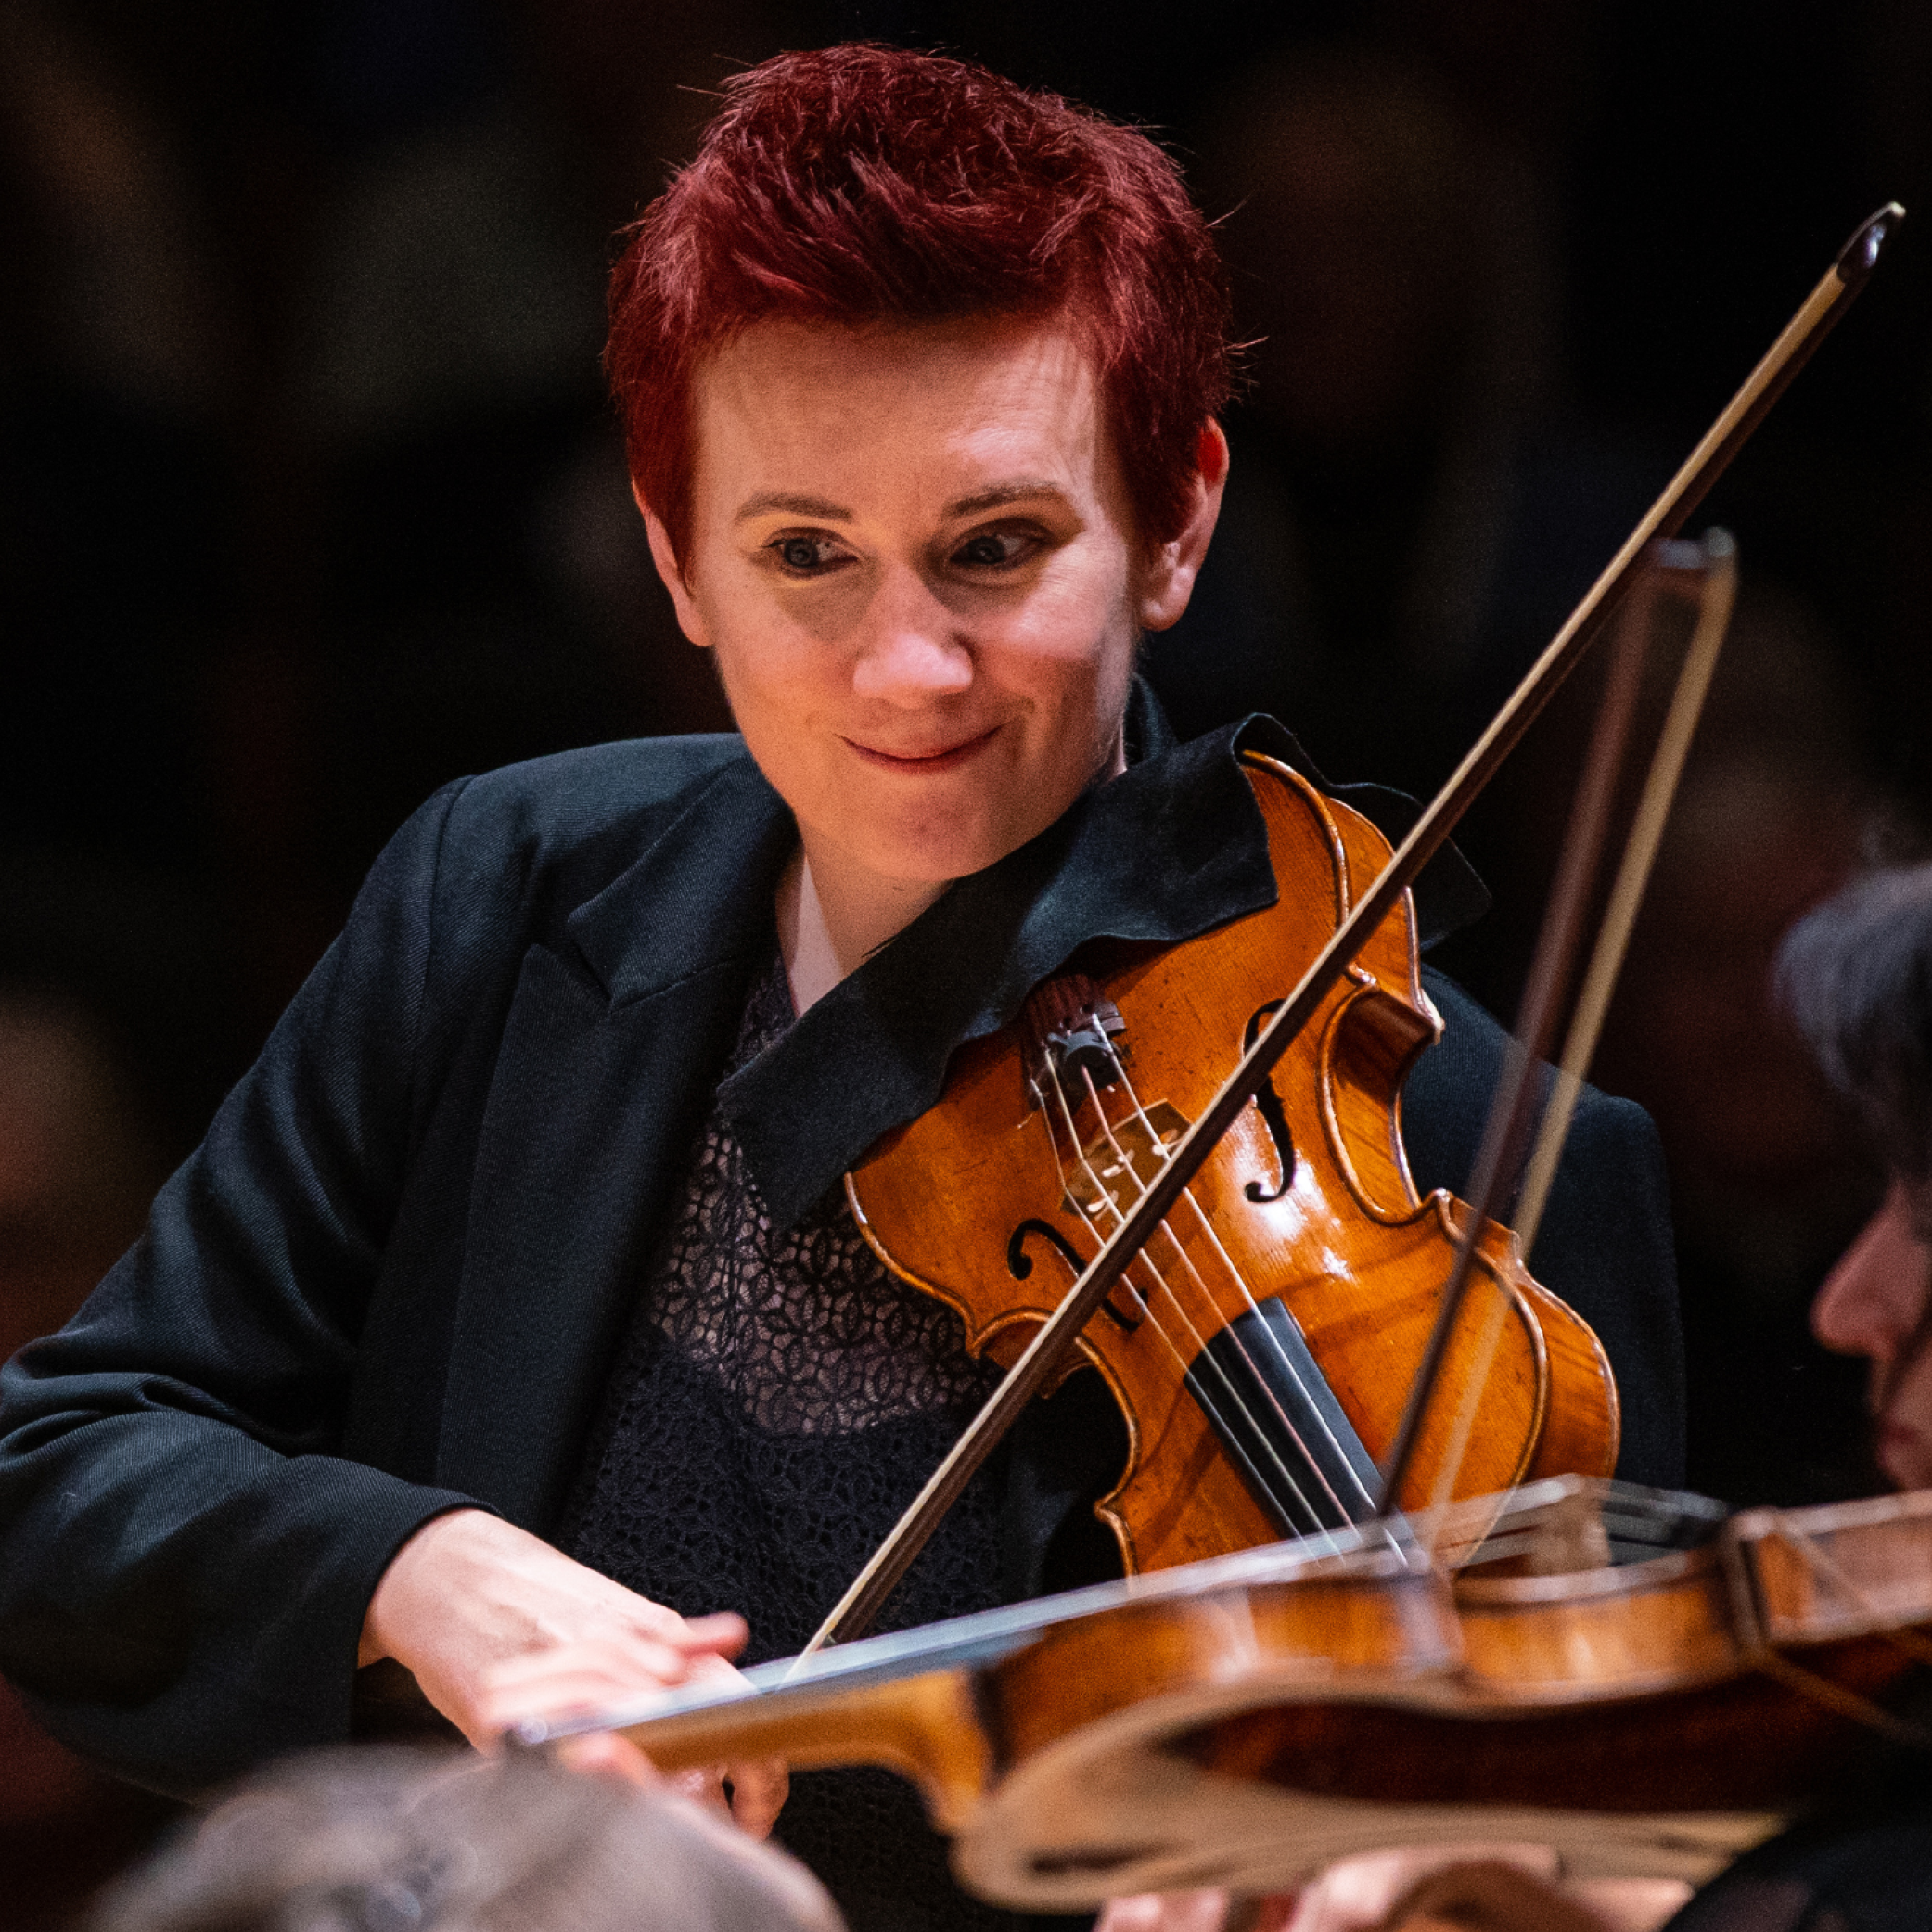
[1620, 1673]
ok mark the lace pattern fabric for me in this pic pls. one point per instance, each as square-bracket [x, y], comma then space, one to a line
[803, 1325]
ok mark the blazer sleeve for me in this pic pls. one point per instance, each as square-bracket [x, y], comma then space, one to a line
[1605, 1245]
[184, 1557]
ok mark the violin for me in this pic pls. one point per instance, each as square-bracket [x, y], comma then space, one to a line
[1260, 1345]
[1626, 1674]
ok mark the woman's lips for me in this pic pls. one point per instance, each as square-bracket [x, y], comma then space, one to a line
[947, 758]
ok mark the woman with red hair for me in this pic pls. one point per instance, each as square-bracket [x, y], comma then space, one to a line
[510, 1327]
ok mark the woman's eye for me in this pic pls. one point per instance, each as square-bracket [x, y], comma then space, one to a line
[805, 556]
[995, 549]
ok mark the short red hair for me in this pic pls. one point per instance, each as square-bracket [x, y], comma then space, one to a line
[866, 184]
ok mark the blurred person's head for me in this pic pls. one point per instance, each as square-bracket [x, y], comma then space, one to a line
[919, 371]
[1856, 973]
[392, 1840]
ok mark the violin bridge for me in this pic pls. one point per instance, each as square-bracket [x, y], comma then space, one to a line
[1118, 1163]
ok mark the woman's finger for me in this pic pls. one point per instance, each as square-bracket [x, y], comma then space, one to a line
[622, 1662]
[723, 1632]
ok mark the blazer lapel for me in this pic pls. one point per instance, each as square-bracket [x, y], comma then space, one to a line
[613, 1043]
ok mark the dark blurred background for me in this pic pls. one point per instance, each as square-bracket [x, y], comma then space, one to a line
[311, 499]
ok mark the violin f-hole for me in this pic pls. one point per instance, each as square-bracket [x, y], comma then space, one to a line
[1019, 1264]
[1269, 1103]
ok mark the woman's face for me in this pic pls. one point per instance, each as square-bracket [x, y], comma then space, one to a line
[913, 552]
[1874, 1303]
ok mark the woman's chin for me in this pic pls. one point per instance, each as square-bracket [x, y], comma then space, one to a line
[942, 856]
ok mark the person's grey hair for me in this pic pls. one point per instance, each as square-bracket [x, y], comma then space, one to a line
[383, 1840]
[1856, 975]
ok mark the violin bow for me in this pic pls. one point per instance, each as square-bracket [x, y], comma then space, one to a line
[1505, 1154]
[854, 1612]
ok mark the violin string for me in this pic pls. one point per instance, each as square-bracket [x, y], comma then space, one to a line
[1101, 1192]
[1288, 1367]
[1203, 1400]
[1202, 1354]
[1207, 1294]
[1187, 1260]
[1157, 1145]
[1142, 1300]
[1145, 1258]
[1240, 1347]
[1271, 1339]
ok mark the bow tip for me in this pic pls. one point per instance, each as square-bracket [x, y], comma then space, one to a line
[1859, 257]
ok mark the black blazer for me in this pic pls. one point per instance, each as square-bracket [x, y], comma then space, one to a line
[392, 1280]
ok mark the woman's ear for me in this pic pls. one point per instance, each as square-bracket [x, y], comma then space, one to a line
[1168, 581]
[690, 621]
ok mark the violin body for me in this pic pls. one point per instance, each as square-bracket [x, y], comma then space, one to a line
[1300, 1276]
[1246, 1720]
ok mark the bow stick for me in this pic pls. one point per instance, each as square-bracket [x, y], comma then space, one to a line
[855, 1610]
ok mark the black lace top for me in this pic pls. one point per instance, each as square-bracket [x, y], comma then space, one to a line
[778, 1401]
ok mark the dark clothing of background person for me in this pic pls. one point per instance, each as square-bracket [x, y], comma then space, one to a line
[1862, 1864]
[394, 1279]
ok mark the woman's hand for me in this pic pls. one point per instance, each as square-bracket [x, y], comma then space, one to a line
[496, 1625]
[600, 1671]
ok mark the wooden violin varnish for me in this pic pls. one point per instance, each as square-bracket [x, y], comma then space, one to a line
[1261, 1345]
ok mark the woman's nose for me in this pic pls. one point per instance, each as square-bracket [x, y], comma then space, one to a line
[1872, 1299]
[911, 651]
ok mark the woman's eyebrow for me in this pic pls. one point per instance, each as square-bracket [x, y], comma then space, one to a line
[1002, 493]
[766, 501]
[769, 500]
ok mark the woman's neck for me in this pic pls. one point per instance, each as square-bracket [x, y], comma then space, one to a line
[831, 916]
[834, 913]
